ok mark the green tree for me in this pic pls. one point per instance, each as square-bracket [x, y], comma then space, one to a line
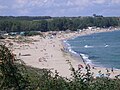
[12, 78]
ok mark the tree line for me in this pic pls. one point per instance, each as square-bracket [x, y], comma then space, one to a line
[47, 23]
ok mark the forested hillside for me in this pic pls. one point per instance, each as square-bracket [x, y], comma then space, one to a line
[47, 23]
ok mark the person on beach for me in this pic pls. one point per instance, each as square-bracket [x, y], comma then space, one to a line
[99, 71]
[107, 70]
[80, 66]
[112, 70]
[51, 56]
[83, 60]
[88, 67]
[19, 54]
[39, 59]
[53, 45]
[108, 73]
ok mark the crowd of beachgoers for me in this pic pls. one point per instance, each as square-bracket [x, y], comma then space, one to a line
[48, 52]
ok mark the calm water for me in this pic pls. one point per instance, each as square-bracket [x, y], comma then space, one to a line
[101, 49]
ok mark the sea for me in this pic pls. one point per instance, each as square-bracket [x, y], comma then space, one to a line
[99, 49]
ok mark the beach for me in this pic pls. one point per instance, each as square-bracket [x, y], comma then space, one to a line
[49, 53]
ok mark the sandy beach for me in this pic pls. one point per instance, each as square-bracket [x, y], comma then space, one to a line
[49, 53]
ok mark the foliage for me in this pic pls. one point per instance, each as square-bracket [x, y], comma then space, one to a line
[31, 33]
[25, 17]
[18, 24]
[10, 75]
[15, 76]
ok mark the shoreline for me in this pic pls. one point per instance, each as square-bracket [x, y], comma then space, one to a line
[49, 53]
[80, 57]
[75, 53]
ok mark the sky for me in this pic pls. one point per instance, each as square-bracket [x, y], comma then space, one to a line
[59, 7]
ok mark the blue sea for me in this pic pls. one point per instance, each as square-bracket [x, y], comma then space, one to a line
[100, 49]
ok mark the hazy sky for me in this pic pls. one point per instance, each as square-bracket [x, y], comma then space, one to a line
[59, 7]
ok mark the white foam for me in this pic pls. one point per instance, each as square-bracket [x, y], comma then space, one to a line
[74, 37]
[64, 41]
[69, 47]
[87, 46]
[106, 45]
[70, 50]
[86, 58]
